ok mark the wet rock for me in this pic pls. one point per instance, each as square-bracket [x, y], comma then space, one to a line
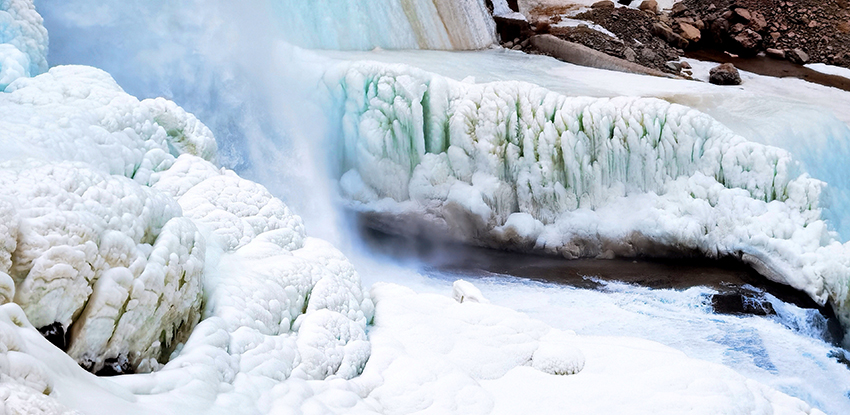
[690, 33]
[115, 366]
[649, 6]
[724, 74]
[775, 53]
[603, 4]
[741, 303]
[718, 30]
[685, 65]
[798, 56]
[55, 334]
[510, 28]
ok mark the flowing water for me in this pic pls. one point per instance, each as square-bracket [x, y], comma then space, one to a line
[234, 66]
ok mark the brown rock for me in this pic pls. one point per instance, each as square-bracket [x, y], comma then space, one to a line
[630, 54]
[725, 74]
[678, 9]
[649, 6]
[690, 33]
[718, 29]
[748, 39]
[685, 65]
[666, 33]
[737, 28]
[774, 35]
[743, 14]
[758, 23]
[775, 53]
[603, 4]
[797, 55]
[727, 14]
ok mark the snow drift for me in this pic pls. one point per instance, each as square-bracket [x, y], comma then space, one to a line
[512, 165]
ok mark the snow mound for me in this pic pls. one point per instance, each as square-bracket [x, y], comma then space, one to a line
[23, 41]
[512, 165]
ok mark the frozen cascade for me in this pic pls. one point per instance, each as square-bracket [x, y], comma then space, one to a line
[387, 24]
[509, 164]
[281, 310]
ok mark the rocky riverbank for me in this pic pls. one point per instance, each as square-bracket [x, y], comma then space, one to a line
[642, 32]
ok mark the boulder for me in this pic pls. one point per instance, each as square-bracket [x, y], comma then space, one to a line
[758, 23]
[798, 56]
[690, 33]
[603, 4]
[667, 34]
[511, 28]
[630, 54]
[724, 74]
[748, 40]
[649, 6]
[743, 14]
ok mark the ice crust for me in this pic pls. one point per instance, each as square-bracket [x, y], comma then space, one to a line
[23, 41]
[512, 165]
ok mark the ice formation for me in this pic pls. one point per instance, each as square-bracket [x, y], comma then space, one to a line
[388, 24]
[23, 41]
[509, 164]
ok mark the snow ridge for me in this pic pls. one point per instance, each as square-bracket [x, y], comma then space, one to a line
[512, 165]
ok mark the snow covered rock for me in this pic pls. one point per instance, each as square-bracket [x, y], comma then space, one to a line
[465, 291]
[23, 41]
[512, 165]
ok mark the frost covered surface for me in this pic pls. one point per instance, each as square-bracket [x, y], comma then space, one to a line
[23, 41]
[428, 353]
[513, 165]
[388, 24]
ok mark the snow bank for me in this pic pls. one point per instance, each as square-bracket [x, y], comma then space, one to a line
[23, 41]
[512, 165]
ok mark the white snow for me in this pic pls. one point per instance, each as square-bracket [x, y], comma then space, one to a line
[829, 69]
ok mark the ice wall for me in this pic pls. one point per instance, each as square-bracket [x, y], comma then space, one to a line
[387, 24]
[512, 165]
